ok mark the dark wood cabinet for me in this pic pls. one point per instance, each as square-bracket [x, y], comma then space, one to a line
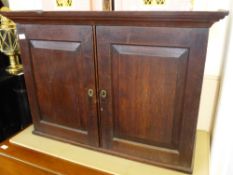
[125, 83]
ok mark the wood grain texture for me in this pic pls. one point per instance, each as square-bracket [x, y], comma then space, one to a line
[17, 160]
[145, 93]
[59, 101]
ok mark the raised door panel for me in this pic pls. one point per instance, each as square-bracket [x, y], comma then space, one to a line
[153, 80]
[146, 83]
[59, 70]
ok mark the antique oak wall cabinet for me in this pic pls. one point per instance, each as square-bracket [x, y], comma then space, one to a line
[124, 83]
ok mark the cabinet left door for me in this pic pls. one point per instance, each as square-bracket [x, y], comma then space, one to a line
[60, 78]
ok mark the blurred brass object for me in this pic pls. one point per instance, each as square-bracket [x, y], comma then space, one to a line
[9, 45]
[107, 5]
[154, 2]
[192, 4]
[6, 23]
[64, 3]
[4, 9]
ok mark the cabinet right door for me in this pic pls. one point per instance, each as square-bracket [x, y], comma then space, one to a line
[152, 77]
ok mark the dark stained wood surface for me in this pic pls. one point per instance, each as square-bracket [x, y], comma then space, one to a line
[17, 160]
[59, 70]
[181, 18]
[151, 76]
[150, 64]
[144, 91]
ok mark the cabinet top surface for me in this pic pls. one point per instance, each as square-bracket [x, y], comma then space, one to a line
[158, 18]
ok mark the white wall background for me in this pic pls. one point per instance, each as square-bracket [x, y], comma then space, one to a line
[25, 5]
[220, 64]
[48, 5]
[222, 145]
[214, 62]
[137, 5]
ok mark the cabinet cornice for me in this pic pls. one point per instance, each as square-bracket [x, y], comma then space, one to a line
[169, 18]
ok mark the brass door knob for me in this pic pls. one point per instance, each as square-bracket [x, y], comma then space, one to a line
[103, 93]
[90, 93]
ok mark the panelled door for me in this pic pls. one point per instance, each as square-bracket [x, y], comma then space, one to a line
[60, 77]
[149, 80]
